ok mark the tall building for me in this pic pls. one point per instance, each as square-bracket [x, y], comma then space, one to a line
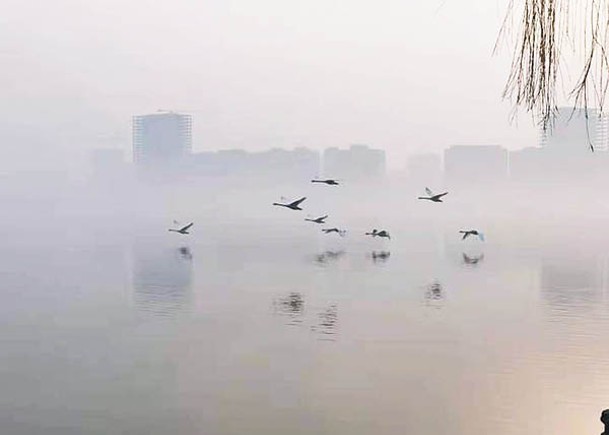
[479, 164]
[162, 139]
[359, 162]
[575, 130]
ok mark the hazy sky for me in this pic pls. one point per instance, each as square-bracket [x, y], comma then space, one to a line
[407, 76]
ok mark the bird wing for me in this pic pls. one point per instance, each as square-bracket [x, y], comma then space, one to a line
[428, 191]
[298, 202]
[187, 227]
[465, 234]
[440, 195]
[323, 218]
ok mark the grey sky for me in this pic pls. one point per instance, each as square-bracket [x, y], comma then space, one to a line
[403, 75]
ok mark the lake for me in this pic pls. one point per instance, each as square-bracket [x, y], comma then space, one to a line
[259, 328]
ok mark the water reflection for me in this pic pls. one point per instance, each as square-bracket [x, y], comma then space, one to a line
[472, 260]
[328, 257]
[185, 252]
[327, 322]
[380, 256]
[162, 279]
[434, 295]
[569, 284]
[291, 306]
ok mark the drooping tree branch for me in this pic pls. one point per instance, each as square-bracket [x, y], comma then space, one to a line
[546, 28]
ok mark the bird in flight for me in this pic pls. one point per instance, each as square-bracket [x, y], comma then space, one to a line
[377, 233]
[468, 233]
[292, 205]
[329, 182]
[319, 220]
[183, 230]
[334, 230]
[433, 197]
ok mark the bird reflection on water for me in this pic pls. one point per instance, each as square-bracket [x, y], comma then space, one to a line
[434, 295]
[291, 306]
[473, 260]
[380, 256]
[162, 280]
[328, 257]
[185, 253]
[327, 323]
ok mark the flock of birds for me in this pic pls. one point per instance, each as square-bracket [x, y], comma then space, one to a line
[296, 205]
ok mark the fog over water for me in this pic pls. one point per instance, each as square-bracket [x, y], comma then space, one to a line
[258, 322]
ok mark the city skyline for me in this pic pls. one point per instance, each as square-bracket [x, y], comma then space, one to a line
[257, 77]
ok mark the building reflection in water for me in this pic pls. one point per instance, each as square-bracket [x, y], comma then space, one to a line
[162, 279]
[434, 295]
[380, 256]
[291, 307]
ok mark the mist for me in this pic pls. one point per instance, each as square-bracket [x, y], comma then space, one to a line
[270, 216]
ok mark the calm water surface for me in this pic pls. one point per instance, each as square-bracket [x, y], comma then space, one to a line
[241, 330]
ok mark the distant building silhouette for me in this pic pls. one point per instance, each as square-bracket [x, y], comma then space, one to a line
[529, 166]
[359, 162]
[161, 140]
[575, 130]
[266, 167]
[476, 165]
[425, 169]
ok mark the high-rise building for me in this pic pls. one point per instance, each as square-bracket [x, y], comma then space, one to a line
[162, 139]
[575, 130]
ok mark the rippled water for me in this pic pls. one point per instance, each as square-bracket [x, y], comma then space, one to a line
[250, 331]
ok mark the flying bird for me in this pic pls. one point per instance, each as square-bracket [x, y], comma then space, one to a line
[334, 230]
[329, 182]
[377, 233]
[468, 233]
[292, 205]
[433, 197]
[183, 230]
[319, 220]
